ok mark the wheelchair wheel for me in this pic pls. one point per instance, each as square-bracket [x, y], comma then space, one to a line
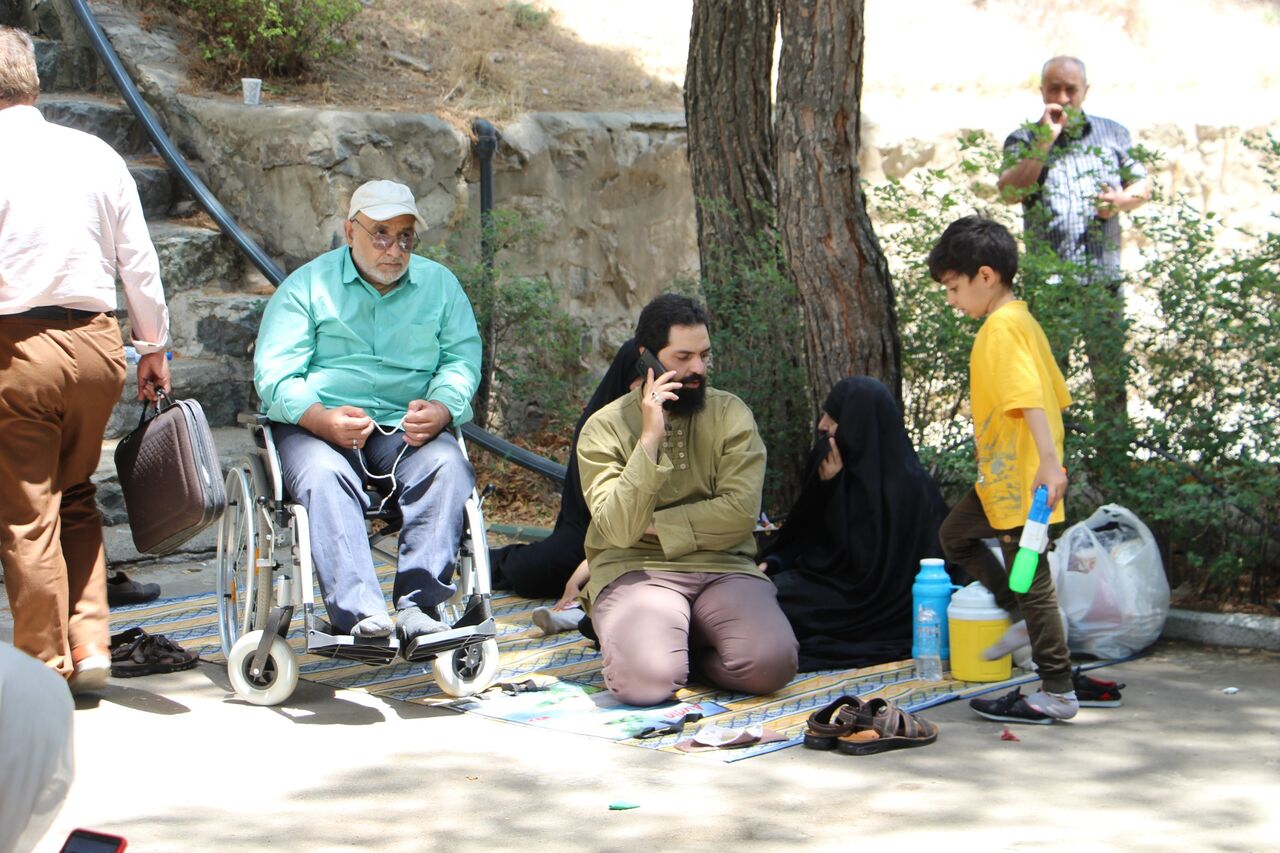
[278, 679]
[242, 605]
[468, 669]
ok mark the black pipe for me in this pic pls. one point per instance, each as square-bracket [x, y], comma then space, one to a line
[505, 449]
[486, 147]
[172, 157]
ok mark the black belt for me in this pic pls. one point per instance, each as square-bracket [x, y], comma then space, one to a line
[54, 313]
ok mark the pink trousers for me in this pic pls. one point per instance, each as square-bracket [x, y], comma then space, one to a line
[651, 623]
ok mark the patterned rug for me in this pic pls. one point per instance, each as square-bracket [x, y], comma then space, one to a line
[564, 670]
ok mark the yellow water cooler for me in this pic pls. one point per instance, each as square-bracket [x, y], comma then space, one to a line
[975, 623]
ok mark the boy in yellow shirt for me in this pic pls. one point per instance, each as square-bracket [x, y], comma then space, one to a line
[1017, 394]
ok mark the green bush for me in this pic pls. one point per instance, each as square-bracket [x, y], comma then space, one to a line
[533, 348]
[266, 38]
[1197, 461]
[528, 17]
[757, 343]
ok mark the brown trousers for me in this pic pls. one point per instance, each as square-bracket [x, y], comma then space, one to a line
[59, 380]
[961, 535]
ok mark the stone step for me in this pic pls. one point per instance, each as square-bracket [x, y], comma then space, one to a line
[193, 256]
[223, 387]
[11, 13]
[106, 118]
[156, 187]
[208, 324]
[68, 67]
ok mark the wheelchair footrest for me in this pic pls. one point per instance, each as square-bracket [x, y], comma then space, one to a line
[428, 646]
[373, 651]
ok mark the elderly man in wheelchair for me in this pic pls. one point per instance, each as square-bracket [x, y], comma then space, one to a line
[365, 358]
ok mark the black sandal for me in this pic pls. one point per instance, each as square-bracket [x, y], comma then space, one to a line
[135, 652]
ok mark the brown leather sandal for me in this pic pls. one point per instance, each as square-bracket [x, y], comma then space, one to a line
[882, 726]
[831, 722]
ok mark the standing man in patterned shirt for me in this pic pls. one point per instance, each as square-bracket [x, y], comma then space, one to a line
[1073, 173]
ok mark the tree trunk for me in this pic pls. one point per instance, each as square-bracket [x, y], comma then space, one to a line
[754, 309]
[834, 257]
[728, 106]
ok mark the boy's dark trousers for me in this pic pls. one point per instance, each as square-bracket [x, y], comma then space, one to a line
[961, 535]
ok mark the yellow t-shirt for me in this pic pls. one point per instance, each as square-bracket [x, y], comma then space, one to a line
[1010, 369]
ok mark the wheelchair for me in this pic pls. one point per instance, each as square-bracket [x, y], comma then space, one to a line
[265, 577]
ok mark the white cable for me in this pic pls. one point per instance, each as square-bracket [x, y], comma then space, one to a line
[390, 475]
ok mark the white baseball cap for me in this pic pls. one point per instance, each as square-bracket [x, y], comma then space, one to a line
[383, 200]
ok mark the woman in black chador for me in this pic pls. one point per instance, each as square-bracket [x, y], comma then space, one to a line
[868, 512]
[541, 569]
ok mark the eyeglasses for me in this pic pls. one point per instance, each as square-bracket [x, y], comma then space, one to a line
[382, 240]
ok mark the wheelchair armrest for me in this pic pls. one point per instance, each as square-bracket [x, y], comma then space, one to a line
[250, 419]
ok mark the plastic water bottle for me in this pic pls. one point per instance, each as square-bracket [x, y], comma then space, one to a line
[1034, 541]
[932, 589]
[929, 654]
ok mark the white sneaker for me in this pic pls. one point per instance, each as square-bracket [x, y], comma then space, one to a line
[90, 675]
[1057, 706]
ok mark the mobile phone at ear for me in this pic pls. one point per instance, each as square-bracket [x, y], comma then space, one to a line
[88, 841]
[648, 362]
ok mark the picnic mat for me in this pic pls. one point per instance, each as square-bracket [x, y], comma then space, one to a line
[555, 681]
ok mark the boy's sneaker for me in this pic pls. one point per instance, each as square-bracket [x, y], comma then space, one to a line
[1095, 692]
[1040, 707]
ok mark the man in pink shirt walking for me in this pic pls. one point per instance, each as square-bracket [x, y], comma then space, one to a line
[70, 223]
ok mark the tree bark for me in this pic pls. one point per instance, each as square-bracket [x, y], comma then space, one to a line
[753, 307]
[834, 257]
[728, 105]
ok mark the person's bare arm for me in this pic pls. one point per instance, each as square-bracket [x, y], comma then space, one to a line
[657, 391]
[1113, 200]
[1026, 172]
[153, 375]
[1049, 473]
[573, 587]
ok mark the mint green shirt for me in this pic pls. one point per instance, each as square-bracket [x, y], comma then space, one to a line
[329, 337]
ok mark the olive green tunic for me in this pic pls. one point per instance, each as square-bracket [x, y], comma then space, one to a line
[702, 495]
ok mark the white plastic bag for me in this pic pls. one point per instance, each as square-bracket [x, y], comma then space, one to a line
[1112, 587]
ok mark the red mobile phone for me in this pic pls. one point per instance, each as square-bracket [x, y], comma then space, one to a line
[648, 361]
[88, 841]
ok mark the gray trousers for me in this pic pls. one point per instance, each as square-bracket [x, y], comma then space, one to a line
[434, 482]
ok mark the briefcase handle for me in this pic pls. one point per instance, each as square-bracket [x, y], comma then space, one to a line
[154, 407]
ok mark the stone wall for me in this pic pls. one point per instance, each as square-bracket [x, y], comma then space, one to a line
[609, 192]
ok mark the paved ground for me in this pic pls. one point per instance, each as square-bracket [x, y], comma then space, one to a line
[175, 762]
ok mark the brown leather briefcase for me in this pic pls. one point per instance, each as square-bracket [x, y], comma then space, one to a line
[170, 475]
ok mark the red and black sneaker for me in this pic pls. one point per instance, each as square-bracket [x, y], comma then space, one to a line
[1095, 692]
